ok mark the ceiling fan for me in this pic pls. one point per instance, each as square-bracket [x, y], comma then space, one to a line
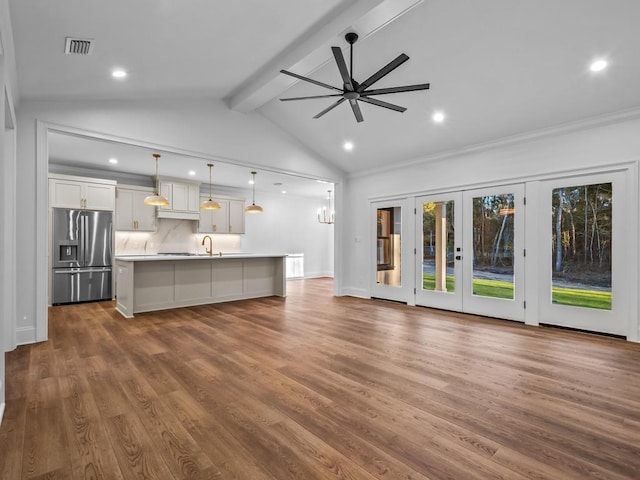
[354, 91]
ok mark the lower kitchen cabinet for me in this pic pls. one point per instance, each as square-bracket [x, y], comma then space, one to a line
[149, 283]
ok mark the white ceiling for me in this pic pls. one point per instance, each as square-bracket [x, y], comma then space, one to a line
[497, 68]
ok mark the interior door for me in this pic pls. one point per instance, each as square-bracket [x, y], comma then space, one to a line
[392, 235]
[584, 239]
[439, 251]
[493, 252]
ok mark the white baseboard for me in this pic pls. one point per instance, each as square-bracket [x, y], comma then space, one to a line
[1, 411]
[25, 335]
[318, 274]
[355, 292]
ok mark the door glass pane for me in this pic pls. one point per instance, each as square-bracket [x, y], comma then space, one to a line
[388, 246]
[437, 247]
[493, 234]
[581, 253]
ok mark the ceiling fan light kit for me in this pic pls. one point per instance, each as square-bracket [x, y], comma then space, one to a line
[355, 92]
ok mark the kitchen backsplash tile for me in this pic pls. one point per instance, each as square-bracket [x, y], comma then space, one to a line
[172, 236]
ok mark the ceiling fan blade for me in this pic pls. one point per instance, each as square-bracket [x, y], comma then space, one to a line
[388, 68]
[330, 107]
[308, 98]
[342, 66]
[310, 80]
[356, 110]
[384, 91]
[380, 103]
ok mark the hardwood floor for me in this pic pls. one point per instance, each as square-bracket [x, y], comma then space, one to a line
[317, 387]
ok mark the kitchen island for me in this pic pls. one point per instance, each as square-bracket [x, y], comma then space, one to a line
[146, 283]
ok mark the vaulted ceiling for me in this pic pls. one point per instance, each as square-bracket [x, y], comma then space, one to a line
[497, 68]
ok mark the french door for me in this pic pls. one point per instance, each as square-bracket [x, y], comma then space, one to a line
[393, 250]
[439, 251]
[470, 254]
[585, 243]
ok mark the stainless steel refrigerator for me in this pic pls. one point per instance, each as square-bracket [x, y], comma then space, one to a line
[82, 246]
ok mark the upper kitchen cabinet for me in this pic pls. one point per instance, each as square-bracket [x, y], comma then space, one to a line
[236, 216]
[229, 218]
[183, 199]
[131, 212]
[66, 191]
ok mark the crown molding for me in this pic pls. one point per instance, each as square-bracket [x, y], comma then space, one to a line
[547, 132]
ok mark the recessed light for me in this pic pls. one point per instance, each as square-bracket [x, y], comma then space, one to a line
[113, 160]
[598, 65]
[348, 146]
[284, 191]
[118, 73]
[438, 117]
[192, 173]
[251, 182]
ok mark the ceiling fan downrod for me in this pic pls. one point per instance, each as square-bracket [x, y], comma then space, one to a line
[351, 38]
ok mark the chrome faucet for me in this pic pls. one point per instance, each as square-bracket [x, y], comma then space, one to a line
[210, 249]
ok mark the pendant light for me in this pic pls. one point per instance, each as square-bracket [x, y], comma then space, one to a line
[210, 204]
[328, 214]
[156, 198]
[253, 208]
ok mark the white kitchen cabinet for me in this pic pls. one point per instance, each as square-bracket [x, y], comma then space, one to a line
[214, 221]
[236, 216]
[229, 218]
[131, 212]
[67, 191]
[183, 199]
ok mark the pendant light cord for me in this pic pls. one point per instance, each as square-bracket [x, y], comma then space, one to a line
[210, 165]
[254, 187]
[157, 156]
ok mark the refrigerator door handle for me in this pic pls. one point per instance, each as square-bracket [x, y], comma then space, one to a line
[72, 271]
[86, 237]
[96, 270]
[81, 239]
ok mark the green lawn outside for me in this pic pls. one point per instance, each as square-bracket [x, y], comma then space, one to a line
[498, 289]
[492, 288]
[429, 282]
[581, 298]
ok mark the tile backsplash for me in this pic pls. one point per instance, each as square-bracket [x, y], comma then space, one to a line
[172, 236]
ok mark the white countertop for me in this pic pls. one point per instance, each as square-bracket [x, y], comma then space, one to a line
[194, 256]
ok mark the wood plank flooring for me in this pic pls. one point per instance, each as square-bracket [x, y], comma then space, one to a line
[317, 387]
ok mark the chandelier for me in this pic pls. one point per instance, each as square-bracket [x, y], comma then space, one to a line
[326, 214]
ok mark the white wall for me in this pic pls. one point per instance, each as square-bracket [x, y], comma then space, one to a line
[614, 141]
[8, 89]
[194, 125]
[290, 225]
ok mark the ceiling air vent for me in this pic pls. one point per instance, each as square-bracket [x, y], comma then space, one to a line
[78, 46]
